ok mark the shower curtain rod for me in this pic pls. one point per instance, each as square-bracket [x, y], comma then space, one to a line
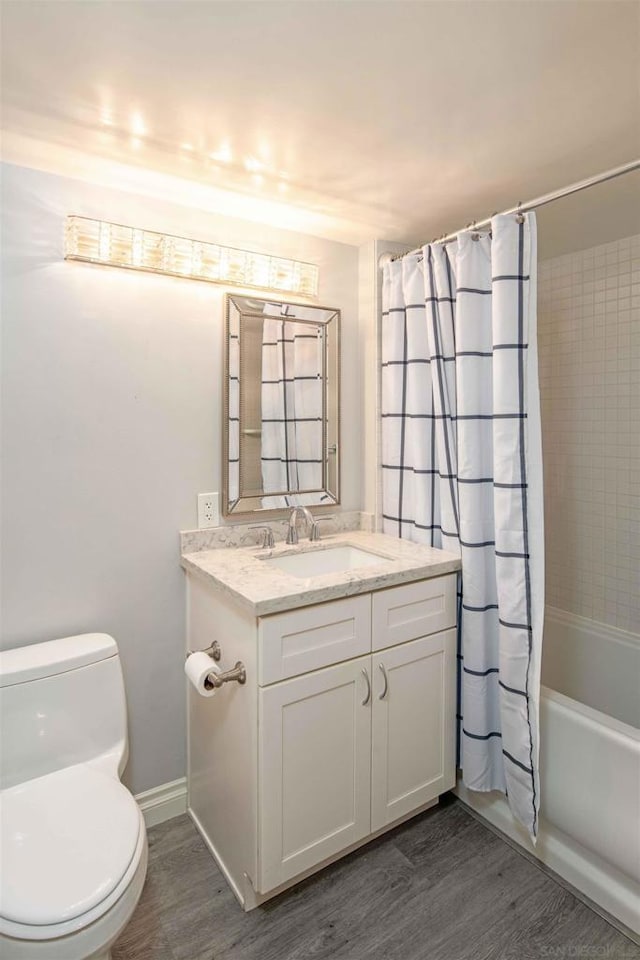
[538, 202]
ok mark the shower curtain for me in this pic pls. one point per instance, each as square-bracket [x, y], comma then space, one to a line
[292, 407]
[462, 470]
[233, 436]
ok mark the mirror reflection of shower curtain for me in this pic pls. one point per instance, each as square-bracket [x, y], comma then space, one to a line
[292, 406]
[233, 436]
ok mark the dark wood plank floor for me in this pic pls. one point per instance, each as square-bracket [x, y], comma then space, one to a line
[441, 887]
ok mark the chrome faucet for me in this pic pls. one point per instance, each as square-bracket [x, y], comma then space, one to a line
[292, 533]
[266, 540]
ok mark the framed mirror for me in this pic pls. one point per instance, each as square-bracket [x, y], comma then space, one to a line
[282, 405]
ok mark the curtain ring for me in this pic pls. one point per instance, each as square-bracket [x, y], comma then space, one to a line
[519, 214]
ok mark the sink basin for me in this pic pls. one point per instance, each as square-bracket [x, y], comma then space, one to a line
[315, 563]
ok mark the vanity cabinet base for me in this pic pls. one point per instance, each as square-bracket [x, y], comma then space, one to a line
[244, 891]
[287, 777]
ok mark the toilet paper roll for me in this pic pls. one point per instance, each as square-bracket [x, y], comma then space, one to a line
[197, 667]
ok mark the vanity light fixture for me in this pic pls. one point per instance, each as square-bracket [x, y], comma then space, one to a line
[97, 241]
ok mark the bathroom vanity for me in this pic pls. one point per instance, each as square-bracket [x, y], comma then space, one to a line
[345, 725]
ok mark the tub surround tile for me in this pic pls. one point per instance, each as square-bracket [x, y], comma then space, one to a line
[243, 576]
[589, 349]
[247, 534]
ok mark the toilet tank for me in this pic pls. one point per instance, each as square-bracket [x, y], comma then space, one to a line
[61, 702]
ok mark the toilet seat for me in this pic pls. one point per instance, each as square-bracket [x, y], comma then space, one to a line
[71, 842]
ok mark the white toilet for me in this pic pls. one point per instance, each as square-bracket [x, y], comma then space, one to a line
[73, 845]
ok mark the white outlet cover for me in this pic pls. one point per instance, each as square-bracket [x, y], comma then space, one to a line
[208, 510]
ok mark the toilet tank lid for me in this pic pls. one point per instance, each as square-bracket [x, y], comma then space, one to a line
[38, 660]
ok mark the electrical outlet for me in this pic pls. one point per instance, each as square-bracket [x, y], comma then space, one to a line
[208, 510]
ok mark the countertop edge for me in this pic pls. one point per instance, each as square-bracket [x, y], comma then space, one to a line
[321, 594]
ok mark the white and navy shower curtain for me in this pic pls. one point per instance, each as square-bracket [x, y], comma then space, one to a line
[292, 406]
[462, 470]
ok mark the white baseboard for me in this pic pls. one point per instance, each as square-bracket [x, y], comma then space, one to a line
[163, 802]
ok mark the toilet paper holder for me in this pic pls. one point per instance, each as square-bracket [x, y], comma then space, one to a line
[214, 651]
[237, 674]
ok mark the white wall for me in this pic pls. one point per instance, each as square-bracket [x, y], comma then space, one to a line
[606, 212]
[112, 391]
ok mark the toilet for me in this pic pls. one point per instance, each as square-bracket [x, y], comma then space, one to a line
[72, 839]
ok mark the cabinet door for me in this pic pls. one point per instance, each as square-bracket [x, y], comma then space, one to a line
[314, 768]
[413, 757]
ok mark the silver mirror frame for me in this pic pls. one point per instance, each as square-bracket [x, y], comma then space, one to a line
[244, 507]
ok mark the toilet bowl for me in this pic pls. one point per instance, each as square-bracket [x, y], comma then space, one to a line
[73, 841]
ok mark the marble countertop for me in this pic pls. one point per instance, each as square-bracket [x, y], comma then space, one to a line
[242, 575]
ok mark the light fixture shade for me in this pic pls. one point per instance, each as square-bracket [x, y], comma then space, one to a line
[97, 241]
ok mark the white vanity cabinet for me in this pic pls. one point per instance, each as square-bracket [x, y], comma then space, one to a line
[314, 775]
[345, 726]
[413, 726]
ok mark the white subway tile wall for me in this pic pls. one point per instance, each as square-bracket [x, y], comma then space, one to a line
[589, 345]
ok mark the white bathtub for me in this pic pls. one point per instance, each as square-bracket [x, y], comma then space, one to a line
[589, 764]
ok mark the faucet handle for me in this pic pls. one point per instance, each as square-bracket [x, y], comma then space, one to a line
[267, 537]
[315, 530]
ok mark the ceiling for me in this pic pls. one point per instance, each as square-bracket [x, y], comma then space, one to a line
[399, 119]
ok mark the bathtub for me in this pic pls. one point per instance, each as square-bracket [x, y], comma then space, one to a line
[589, 765]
